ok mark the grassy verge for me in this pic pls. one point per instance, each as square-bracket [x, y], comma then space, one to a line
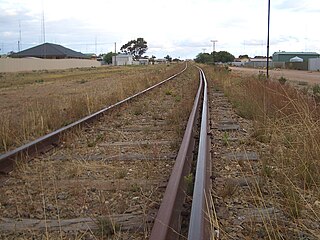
[286, 122]
[35, 103]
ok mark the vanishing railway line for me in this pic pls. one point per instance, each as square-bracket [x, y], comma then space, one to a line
[109, 178]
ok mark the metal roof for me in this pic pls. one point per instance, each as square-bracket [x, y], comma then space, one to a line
[296, 53]
[49, 50]
[124, 55]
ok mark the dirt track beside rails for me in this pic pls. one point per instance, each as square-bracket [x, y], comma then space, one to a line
[293, 75]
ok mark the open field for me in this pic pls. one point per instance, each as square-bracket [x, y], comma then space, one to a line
[35, 103]
[292, 75]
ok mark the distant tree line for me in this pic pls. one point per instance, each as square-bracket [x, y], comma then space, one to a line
[136, 48]
[222, 56]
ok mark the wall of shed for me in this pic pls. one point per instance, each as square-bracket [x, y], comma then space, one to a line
[122, 60]
[287, 57]
[32, 64]
[297, 65]
[314, 64]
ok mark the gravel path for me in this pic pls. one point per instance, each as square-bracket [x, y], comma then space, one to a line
[296, 76]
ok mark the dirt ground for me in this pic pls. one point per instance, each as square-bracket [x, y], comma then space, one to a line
[293, 75]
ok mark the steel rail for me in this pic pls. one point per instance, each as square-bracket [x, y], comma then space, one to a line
[167, 222]
[42, 144]
[199, 227]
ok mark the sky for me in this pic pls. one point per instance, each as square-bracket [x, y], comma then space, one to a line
[179, 28]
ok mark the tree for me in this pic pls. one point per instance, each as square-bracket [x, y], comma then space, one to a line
[169, 59]
[152, 59]
[108, 57]
[135, 48]
[203, 58]
[244, 56]
[223, 56]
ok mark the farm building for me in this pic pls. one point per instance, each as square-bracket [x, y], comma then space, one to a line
[286, 56]
[122, 59]
[160, 61]
[314, 64]
[143, 61]
[50, 51]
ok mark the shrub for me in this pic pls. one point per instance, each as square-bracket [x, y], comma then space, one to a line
[282, 80]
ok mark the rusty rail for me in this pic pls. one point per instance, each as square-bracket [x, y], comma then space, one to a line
[167, 225]
[42, 144]
[199, 226]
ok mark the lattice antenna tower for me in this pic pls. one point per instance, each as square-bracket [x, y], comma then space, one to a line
[43, 29]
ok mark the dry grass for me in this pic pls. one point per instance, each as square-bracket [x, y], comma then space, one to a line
[287, 121]
[31, 108]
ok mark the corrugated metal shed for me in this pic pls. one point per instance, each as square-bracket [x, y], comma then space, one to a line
[286, 56]
[122, 59]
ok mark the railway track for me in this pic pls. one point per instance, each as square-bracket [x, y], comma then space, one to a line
[141, 170]
[108, 178]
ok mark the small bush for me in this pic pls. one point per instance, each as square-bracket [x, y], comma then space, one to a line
[190, 184]
[316, 89]
[168, 92]
[106, 227]
[178, 98]
[262, 75]
[282, 80]
[82, 81]
[225, 139]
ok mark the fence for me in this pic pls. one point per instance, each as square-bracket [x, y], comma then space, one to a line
[30, 64]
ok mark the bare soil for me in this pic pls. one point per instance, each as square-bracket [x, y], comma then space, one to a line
[297, 76]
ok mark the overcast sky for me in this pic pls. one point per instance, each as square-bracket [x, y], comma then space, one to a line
[180, 28]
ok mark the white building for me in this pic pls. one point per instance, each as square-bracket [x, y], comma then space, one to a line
[122, 59]
[160, 61]
[143, 61]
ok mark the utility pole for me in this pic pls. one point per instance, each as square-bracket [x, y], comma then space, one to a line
[204, 50]
[115, 54]
[19, 42]
[268, 39]
[213, 48]
[95, 44]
